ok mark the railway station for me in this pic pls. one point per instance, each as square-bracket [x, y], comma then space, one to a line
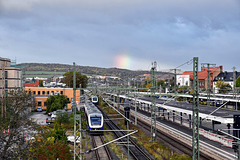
[179, 114]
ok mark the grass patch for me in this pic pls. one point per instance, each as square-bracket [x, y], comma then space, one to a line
[115, 148]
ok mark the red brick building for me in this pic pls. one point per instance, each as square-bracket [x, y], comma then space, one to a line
[203, 74]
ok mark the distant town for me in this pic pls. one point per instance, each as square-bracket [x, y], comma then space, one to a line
[90, 112]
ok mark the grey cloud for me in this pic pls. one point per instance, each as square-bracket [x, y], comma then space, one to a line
[151, 30]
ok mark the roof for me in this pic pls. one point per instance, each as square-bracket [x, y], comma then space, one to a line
[203, 73]
[36, 84]
[226, 76]
[92, 109]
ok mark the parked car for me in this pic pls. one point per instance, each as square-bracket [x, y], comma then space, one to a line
[50, 120]
[54, 114]
[39, 109]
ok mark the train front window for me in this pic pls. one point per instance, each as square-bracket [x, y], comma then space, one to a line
[95, 120]
[94, 99]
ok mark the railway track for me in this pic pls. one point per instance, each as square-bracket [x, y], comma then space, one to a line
[103, 152]
[207, 151]
[135, 151]
[181, 142]
[171, 141]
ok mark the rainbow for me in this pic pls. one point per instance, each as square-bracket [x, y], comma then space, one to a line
[122, 61]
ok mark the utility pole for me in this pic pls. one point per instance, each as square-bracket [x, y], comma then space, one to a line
[175, 81]
[208, 82]
[208, 86]
[77, 119]
[195, 112]
[153, 105]
[80, 125]
[74, 108]
[168, 82]
[135, 98]
[234, 84]
[234, 80]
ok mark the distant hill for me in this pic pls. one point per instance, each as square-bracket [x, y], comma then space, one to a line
[62, 68]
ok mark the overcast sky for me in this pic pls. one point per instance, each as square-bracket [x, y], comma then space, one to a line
[121, 33]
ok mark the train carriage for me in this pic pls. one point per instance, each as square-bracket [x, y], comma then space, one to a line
[94, 118]
[94, 99]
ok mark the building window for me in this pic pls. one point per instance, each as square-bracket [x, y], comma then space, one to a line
[45, 103]
[47, 92]
[6, 93]
[6, 84]
[39, 93]
[29, 92]
[43, 92]
[6, 74]
[39, 103]
[52, 92]
[61, 92]
[34, 92]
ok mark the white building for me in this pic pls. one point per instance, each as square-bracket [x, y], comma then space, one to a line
[183, 80]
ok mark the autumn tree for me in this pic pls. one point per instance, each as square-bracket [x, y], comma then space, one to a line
[223, 87]
[48, 150]
[80, 79]
[15, 125]
[51, 144]
[184, 89]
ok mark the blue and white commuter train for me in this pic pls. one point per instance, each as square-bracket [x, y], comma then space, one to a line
[94, 99]
[94, 118]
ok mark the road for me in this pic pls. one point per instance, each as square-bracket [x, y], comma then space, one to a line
[39, 117]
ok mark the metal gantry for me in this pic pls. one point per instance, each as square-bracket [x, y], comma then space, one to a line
[77, 120]
[153, 105]
[195, 112]
[208, 82]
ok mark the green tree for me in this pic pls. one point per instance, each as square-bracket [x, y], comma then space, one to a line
[40, 83]
[62, 118]
[238, 82]
[80, 79]
[223, 87]
[161, 83]
[58, 133]
[56, 102]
